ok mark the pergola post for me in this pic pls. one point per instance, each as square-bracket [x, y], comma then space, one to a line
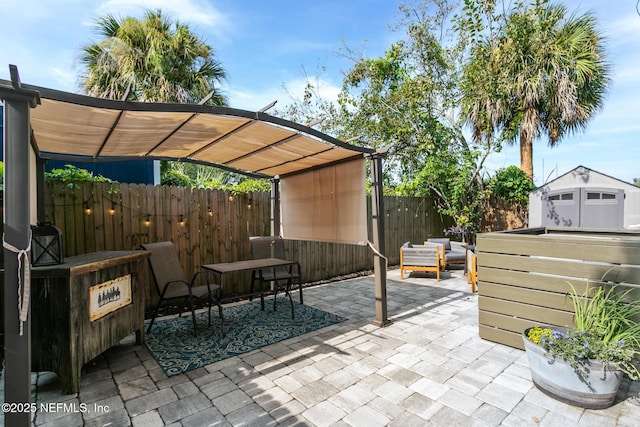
[16, 241]
[379, 258]
[40, 188]
[275, 207]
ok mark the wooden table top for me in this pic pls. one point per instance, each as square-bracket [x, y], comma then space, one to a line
[247, 265]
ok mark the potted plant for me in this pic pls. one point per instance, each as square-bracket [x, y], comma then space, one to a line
[583, 366]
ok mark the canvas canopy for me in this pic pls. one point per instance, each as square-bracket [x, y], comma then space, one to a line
[72, 126]
[68, 126]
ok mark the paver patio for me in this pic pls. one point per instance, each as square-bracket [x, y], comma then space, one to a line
[427, 368]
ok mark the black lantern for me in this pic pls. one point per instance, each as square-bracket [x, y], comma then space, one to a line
[46, 245]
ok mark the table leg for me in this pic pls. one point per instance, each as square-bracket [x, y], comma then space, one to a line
[220, 304]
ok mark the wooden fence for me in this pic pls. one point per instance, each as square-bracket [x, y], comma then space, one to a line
[524, 275]
[210, 226]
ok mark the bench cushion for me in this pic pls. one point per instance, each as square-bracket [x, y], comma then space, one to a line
[443, 241]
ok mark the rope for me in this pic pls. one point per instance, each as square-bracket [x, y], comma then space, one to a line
[23, 303]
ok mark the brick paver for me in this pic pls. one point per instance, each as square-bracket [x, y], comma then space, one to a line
[428, 367]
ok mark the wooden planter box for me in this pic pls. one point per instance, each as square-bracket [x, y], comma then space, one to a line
[524, 275]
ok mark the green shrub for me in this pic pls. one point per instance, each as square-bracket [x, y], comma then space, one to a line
[175, 177]
[74, 174]
[606, 330]
[512, 185]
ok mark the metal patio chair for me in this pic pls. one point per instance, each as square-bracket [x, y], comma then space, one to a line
[171, 282]
[280, 277]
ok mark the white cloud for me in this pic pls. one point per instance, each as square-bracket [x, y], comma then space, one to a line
[199, 13]
[624, 30]
[255, 99]
[64, 76]
[291, 46]
[325, 88]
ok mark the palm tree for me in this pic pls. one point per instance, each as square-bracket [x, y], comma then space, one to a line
[154, 59]
[544, 74]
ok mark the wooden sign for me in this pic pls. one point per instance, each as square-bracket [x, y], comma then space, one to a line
[107, 297]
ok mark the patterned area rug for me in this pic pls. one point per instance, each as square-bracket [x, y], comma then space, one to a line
[172, 344]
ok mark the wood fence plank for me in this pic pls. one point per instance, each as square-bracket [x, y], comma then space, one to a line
[69, 218]
[135, 217]
[500, 335]
[156, 218]
[193, 229]
[220, 237]
[560, 246]
[97, 235]
[594, 271]
[525, 311]
[500, 321]
[126, 229]
[534, 297]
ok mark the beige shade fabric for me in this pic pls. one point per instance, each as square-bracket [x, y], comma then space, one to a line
[70, 126]
[327, 204]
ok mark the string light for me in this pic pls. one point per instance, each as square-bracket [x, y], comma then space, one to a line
[88, 210]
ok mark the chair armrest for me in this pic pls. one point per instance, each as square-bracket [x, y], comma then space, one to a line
[211, 284]
[170, 290]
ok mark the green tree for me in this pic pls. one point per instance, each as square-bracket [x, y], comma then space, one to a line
[533, 71]
[409, 98]
[155, 59]
[202, 176]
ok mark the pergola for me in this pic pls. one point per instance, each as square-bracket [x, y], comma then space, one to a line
[43, 124]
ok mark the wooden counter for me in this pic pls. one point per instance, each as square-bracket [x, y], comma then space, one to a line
[81, 308]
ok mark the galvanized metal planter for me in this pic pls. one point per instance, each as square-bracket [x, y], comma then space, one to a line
[556, 378]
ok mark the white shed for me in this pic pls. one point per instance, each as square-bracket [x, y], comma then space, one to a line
[585, 198]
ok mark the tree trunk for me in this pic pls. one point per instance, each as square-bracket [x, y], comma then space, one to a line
[526, 154]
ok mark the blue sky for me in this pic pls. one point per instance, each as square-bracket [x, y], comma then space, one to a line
[265, 45]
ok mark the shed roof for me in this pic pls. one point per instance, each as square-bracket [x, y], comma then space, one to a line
[69, 126]
[584, 172]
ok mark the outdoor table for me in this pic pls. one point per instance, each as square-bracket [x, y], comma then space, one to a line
[254, 265]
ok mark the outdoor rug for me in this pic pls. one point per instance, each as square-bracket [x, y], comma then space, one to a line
[172, 344]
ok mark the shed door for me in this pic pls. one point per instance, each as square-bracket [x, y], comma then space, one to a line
[561, 208]
[602, 208]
